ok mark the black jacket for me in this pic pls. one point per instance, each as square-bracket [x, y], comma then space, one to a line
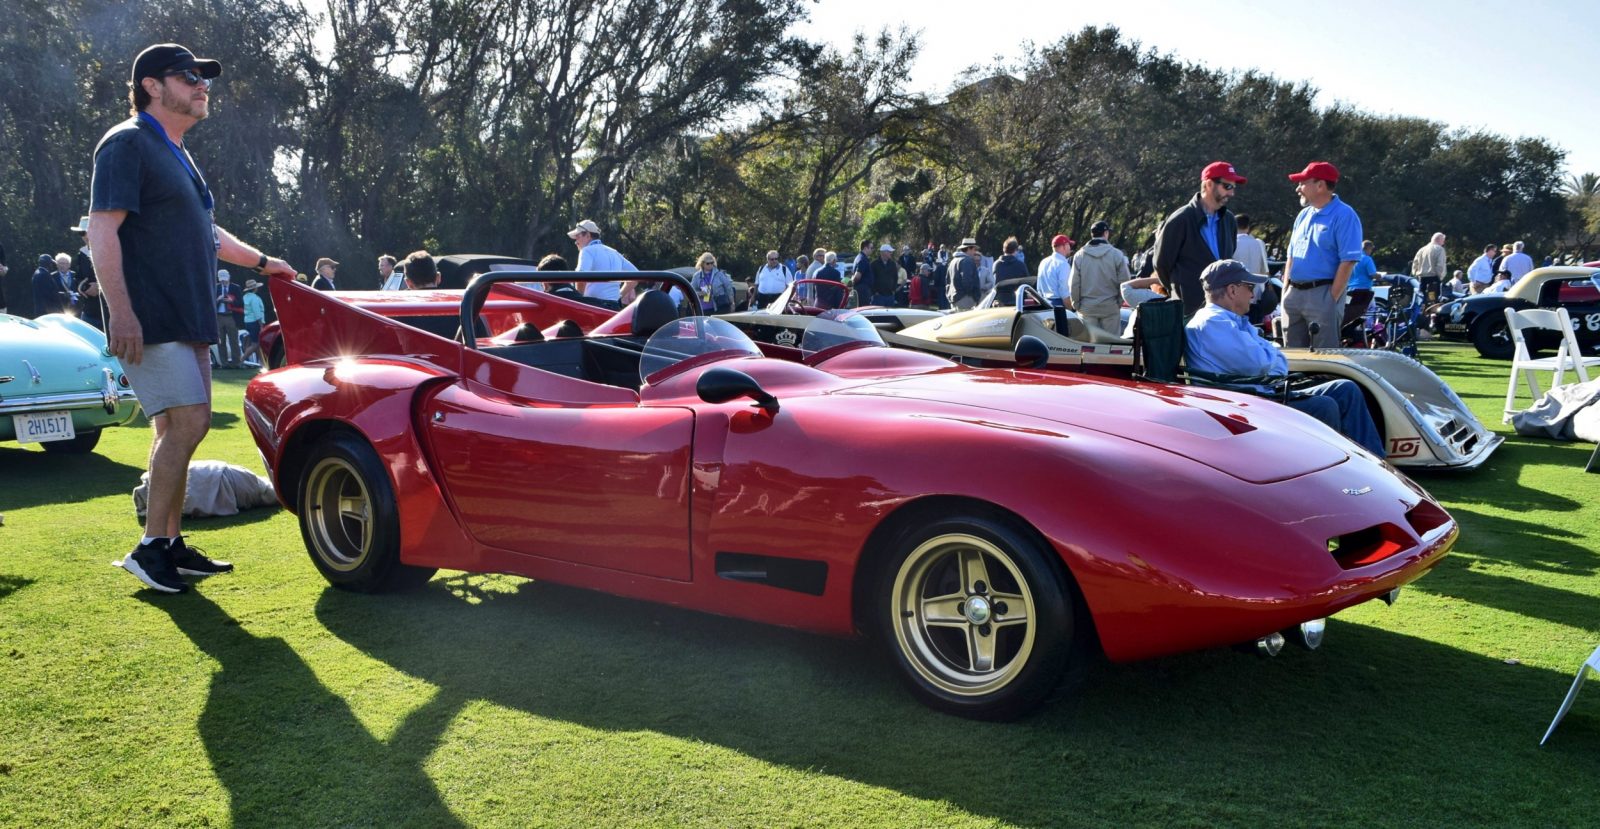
[1009, 267]
[1182, 253]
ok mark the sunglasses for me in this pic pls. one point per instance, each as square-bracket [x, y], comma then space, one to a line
[190, 77]
[1228, 186]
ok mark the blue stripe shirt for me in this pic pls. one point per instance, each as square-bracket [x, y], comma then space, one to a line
[1322, 239]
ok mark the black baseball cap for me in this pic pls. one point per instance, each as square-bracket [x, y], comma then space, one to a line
[166, 58]
[1100, 227]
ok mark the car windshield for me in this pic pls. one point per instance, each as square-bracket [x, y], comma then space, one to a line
[818, 295]
[697, 339]
[833, 329]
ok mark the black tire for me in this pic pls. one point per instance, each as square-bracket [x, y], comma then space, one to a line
[350, 521]
[81, 444]
[1492, 338]
[937, 572]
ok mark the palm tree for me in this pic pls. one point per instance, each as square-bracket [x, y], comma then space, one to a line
[1582, 186]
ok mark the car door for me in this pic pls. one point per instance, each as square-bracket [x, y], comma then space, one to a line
[569, 472]
[1581, 298]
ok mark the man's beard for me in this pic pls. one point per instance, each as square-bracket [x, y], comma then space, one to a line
[1303, 202]
[187, 106]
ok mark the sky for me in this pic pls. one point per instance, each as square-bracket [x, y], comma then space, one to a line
[1516, 69]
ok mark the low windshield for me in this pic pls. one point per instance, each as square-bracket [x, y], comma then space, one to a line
[832, 329]
[690, 338]
[819, 294]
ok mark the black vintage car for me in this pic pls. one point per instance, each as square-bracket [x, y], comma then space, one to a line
[1481, 319]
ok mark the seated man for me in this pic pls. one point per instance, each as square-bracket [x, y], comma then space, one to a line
[1222, 341]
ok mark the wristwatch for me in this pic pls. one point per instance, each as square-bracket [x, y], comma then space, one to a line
[261, 264]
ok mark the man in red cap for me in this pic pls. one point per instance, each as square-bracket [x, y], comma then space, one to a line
[1197, 234]
[1323, 249]
[1055, 271]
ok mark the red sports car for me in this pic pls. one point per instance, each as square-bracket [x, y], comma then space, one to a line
[990, 526]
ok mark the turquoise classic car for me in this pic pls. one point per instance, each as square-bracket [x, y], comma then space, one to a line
[58, 386]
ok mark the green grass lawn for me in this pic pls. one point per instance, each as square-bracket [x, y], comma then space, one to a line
[266, 698]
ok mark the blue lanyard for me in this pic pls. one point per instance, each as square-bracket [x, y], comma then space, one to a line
[183, 158]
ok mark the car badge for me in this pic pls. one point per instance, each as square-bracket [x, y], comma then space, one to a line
[785, 337]
[1362, 491]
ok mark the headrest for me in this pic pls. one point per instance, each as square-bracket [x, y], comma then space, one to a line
[568, 328]
[528, 333]
[653, 310]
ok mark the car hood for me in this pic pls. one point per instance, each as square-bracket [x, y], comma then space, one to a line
[62, 360]
[1250, 438]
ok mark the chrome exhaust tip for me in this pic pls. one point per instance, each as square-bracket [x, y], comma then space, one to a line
[1270, 645]
[1391, 597]
[1309, 635]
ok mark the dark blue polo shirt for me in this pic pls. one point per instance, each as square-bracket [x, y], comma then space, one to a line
[169, 246]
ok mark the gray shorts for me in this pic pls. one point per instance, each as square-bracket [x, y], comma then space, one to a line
[170, 375]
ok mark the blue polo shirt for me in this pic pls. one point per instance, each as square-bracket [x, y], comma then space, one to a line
[1322, 239]
[1361, 276]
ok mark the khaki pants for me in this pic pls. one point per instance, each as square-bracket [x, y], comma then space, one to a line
[1305, 308]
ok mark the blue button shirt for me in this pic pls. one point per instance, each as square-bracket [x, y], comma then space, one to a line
[1361, 277]
[1323, 238]
[595, 256]
[1222, 342]
[1208, 232]
[1055, 271]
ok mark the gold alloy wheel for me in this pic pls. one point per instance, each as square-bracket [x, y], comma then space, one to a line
[964, 616]
[338, 514]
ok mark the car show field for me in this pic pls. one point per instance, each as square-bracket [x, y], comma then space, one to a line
[501, 700]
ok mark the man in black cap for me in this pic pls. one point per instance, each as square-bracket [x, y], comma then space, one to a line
[1221, 341]
[1095, 286]
[965, 285]
[156, 245]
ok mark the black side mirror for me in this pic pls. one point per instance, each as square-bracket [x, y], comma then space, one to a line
[1032, 352]
[719, 385]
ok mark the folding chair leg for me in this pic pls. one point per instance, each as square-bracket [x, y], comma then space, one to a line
[1572, 693]
[1594, 460]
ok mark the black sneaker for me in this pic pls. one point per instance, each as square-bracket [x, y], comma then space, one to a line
[192, 561]
[152, 564]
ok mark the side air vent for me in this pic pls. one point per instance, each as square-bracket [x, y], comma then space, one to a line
[798, 574]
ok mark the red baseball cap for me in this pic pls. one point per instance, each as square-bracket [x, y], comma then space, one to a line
[1061, 239]
[1221, 171]
[1317, 169]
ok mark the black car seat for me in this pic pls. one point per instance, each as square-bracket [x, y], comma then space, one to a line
[654, 309]
[615, 362]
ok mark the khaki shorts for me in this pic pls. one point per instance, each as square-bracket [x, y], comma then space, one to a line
[171, 375]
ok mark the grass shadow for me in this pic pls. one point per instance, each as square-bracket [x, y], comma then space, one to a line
[1379, 711]
[1455, 577]
[1508, 467]
[288, 750]
[61, 479]
[1523, 544]
[11, 584]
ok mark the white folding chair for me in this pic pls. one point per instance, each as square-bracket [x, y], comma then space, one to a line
[1567, 358]
[1593, 662]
